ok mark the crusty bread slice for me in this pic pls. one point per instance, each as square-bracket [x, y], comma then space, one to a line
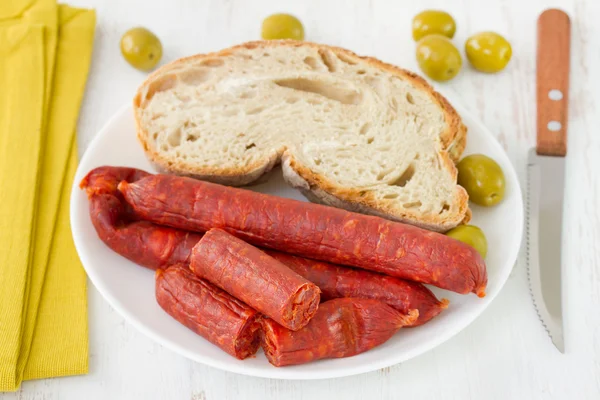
[350, 131]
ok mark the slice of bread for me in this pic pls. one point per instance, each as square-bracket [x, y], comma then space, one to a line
[349, 131]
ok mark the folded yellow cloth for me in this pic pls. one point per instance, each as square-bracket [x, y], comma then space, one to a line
[43, 13]
[21, 114]
[43, 328]
[60, 342]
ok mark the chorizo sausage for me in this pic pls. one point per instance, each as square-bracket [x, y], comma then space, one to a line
[336, 281]
[340, 328]
[257, 279]
[310, 230]
[105, 179]
[154, 246]
[142, 242]
[209, 311]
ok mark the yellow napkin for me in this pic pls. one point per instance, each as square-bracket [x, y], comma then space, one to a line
[43, 273]
[21, 113]
[40, 13]
[60, 343]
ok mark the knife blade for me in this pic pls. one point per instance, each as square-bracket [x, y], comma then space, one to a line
[546, 173]
[544, 227]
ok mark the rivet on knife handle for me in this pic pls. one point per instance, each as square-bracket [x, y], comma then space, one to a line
[553, 51]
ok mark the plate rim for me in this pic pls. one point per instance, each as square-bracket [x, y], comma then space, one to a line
[279, 373]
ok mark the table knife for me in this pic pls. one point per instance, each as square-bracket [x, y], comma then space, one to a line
[546, 172]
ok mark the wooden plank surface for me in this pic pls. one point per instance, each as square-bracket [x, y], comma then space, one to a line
[505, 353]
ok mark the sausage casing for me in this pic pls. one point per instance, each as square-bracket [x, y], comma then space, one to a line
[340, 328]
[209, 311]
[105, 179]
[154, 246]
[142, 242]
[310, 230]
[254, 277]
[336, 281]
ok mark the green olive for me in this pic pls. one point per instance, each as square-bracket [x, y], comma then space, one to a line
[282, 26]
[433, 21]
[471, 235]
[141, 48]
[482, 178]
[438, 58]
[488, 52]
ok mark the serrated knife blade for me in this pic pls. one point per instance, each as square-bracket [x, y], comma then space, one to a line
[545, 187]
[546, 173]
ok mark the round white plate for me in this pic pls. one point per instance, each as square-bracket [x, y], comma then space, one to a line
[130, 288]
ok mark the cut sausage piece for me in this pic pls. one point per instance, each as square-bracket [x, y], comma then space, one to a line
[142, 242]
[252, 276]
[209, 311]
[310, 230]
[341, 328]
[336, 281]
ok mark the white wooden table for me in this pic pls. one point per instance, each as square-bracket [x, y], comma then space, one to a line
[505, 353]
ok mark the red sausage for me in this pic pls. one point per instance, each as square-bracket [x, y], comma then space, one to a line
[310, 230]
[257, 279]
[154, 246]
[209, 311]
[336, 281]
[142, 242]
[341, 328]
[104, 180]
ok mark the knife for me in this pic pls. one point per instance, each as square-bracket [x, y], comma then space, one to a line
[546, 172]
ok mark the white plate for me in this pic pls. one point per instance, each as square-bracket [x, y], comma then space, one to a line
[130, 288]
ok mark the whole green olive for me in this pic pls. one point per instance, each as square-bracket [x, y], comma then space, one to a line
[141, 48]
[438, 58]
[471, 235]
[282, 26]
[433, 21]
[482, 178]
[488, 52]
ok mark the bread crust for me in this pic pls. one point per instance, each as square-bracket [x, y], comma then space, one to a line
[316, 187]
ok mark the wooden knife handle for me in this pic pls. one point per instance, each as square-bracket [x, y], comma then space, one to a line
[553, 57]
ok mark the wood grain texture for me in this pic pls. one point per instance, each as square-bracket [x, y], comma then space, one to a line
[553, 64]
[504, 354]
